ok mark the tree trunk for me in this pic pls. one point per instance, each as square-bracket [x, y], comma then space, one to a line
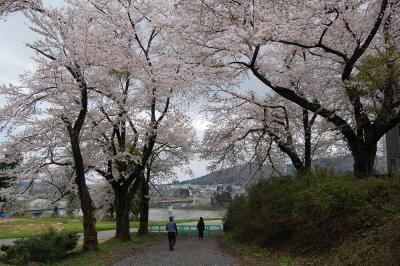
[122, 215]
[89, 219]
[307, 141]
[87, 206]
[294, 158]
[124, 193]
[364, 159]
[144, 208]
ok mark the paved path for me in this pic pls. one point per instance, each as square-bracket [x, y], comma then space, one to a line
[104, 235]
[188, 251]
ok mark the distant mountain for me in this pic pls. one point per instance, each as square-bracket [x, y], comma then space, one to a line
[238, 175]
[340, 165]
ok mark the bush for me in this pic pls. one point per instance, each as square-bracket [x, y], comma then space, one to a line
[312, 212]
[262, 217]
[47, 247]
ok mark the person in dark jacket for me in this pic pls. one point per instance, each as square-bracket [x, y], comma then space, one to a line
[200, 227]
[172, 231]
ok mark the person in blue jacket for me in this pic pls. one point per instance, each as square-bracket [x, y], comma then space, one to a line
[172, 231]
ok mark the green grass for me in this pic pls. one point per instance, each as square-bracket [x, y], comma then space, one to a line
[245, 248]
[254, 255]
[28, 226]
[109, 251]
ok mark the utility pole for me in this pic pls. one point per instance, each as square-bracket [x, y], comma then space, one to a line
[393, 150]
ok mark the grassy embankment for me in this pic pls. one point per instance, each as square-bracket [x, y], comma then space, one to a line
[251, 254]
[379, 246]
[318, 220]
[27, 226]
[109, 252]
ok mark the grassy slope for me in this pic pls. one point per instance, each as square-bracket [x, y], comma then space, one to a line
[380, 245]
[109, 252]
[253, 255]
[23, 227]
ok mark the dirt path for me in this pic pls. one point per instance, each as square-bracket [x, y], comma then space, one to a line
[188, 251]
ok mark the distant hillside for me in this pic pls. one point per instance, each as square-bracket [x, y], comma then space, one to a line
[238, 175]
[341, 165]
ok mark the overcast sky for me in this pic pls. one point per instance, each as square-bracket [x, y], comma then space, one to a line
[16, 58]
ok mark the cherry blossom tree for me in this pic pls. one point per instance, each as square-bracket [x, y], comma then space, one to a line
[249, 128]
[173, 150]
[107, 75]
[308, 52]
[50, 107]
[141, 97]
[11, 6]
[120, 135]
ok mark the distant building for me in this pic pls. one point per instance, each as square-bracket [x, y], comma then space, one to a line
[393, 150]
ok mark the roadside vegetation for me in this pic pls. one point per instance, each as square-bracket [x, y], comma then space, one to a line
[342, 219]
[62, 248]
[108, 252]
[47, 247]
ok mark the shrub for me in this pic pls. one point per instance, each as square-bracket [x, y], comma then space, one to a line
[312, 212]
[262, 217]
[47, 247]
[237, 210]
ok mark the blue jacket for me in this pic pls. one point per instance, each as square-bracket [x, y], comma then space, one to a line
[171, 227]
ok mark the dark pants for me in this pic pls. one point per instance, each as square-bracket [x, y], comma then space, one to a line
[171, 240]
[201, 233]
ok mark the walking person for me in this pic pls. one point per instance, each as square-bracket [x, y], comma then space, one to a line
[172, 231]
[200, 227]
